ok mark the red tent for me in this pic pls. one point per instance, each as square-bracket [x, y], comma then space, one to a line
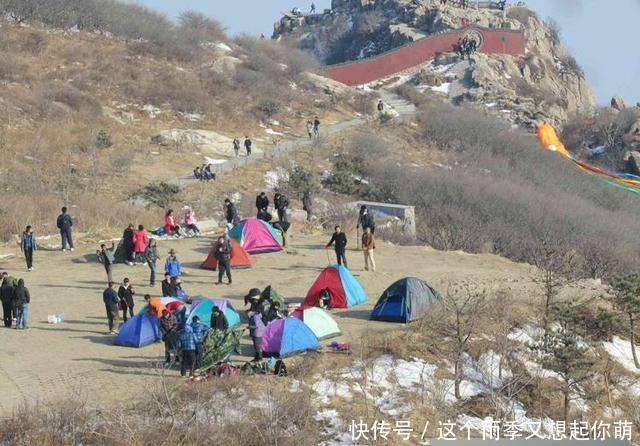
[344, 290]
[239, 257]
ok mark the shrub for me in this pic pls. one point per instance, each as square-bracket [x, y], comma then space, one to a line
[161, 194]
[103, 140]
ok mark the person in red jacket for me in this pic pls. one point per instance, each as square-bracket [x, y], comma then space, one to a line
[171, 226]
[140, 243]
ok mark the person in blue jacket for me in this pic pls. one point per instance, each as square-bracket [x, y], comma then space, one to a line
[27, 246]
[172, 265]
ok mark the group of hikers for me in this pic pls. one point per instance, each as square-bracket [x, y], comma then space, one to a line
[465, 46]
[15, 299]
[248, 144]
[313, 128]
[203, 173]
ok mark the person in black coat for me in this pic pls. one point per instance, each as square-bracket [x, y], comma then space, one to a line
[223, 256]
[247, 145]
[64, 224]
[365, 220]
[6, 296]
[168, 287]
[339, 240]
[230, 212]
[125, 293]
[111, 299]
[218, 320]
[127, 243]
[281, 202]
[262, 202]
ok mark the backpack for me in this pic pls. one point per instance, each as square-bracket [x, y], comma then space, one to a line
[280, 368]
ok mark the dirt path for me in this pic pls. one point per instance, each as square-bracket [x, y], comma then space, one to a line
[77, 358]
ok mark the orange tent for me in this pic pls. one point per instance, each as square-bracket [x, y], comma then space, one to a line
[239, 257]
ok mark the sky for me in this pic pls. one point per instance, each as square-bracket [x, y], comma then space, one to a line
[601, 35]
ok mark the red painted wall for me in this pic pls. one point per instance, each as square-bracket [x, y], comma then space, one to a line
[421, 51]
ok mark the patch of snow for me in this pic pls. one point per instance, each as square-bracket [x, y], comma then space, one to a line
[444, 88]
[528, 334]
[293, 85]
[295, 387]
[326, 389]
[155, 153]
[333, 427]
[273, 132]
[491, 104]
[596, 150]
[193, 117]
[223, 46]
[214, 161]
[151, 110]
[273, 178]
[274, 122]
[620, 350]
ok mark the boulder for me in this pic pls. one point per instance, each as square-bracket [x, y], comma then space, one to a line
[617, 103]
[633, 162]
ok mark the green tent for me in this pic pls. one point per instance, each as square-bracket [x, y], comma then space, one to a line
[271, 295]
[120, 254]
[218, 345]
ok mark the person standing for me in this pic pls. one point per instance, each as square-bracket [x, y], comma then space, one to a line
[128, 244]
[236, 146]
[365, 220]
[310, 128]
[339, 238]
[151, 256]
[172, 266]
[140, 243]
[223, 256]
[247, 145]
[106, 257]
[281, 202]
[230, 212]
[188, 347]
[313, 8]
[262, 203]
[65, 223]
[316, 127]
[307, 204]
[199, 330]
[22, 298]
[125, 293]
[168, 328]
[111, 299]
[368, 246]
[190, 221]
[27, 246]
[256, 331]
[6, 296]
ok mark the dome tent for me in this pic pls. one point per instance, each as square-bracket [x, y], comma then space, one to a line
[142, 329]
[239, 257]
[405, 300]
[344, 290]
[203, 307]
[288, 336]
[256, 236]
[319, 321]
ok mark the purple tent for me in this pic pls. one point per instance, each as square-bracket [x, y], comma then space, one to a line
[285, 337]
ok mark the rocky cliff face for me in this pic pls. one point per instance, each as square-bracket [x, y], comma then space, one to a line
[545, 84]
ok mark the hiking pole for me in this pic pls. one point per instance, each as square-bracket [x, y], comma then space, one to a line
[326, 250]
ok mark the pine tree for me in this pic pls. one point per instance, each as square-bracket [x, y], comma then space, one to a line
[626, 298]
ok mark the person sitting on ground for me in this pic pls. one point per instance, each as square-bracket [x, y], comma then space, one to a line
[218, 320]
[199, 330]
[168, 329]
[107, 258]
[140, 243]
[273, 313]
[125, 293]
[339, 238]
[172, 265]
[111, 300]
[128, 244]
[188, 349]
[230, 212]
[177, 283]
[168, 286]
[154, 306]
[190, 221]
[325, 299]
[197, 173]
[171, 226]
[208, 174]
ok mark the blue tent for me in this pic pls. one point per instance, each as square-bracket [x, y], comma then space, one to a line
[405, 300]
[288, 336]
[140, 330]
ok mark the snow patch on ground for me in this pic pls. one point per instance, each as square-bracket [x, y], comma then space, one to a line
[151, 110]
[620, 350]
[444, 88]
[527, 334]
[328, 389]
[214, 161]
[223, 46]
[273, 178]
[273, 132]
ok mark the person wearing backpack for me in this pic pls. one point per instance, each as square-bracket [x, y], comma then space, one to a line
[106, 257]
[65, 223]
[27, 246]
